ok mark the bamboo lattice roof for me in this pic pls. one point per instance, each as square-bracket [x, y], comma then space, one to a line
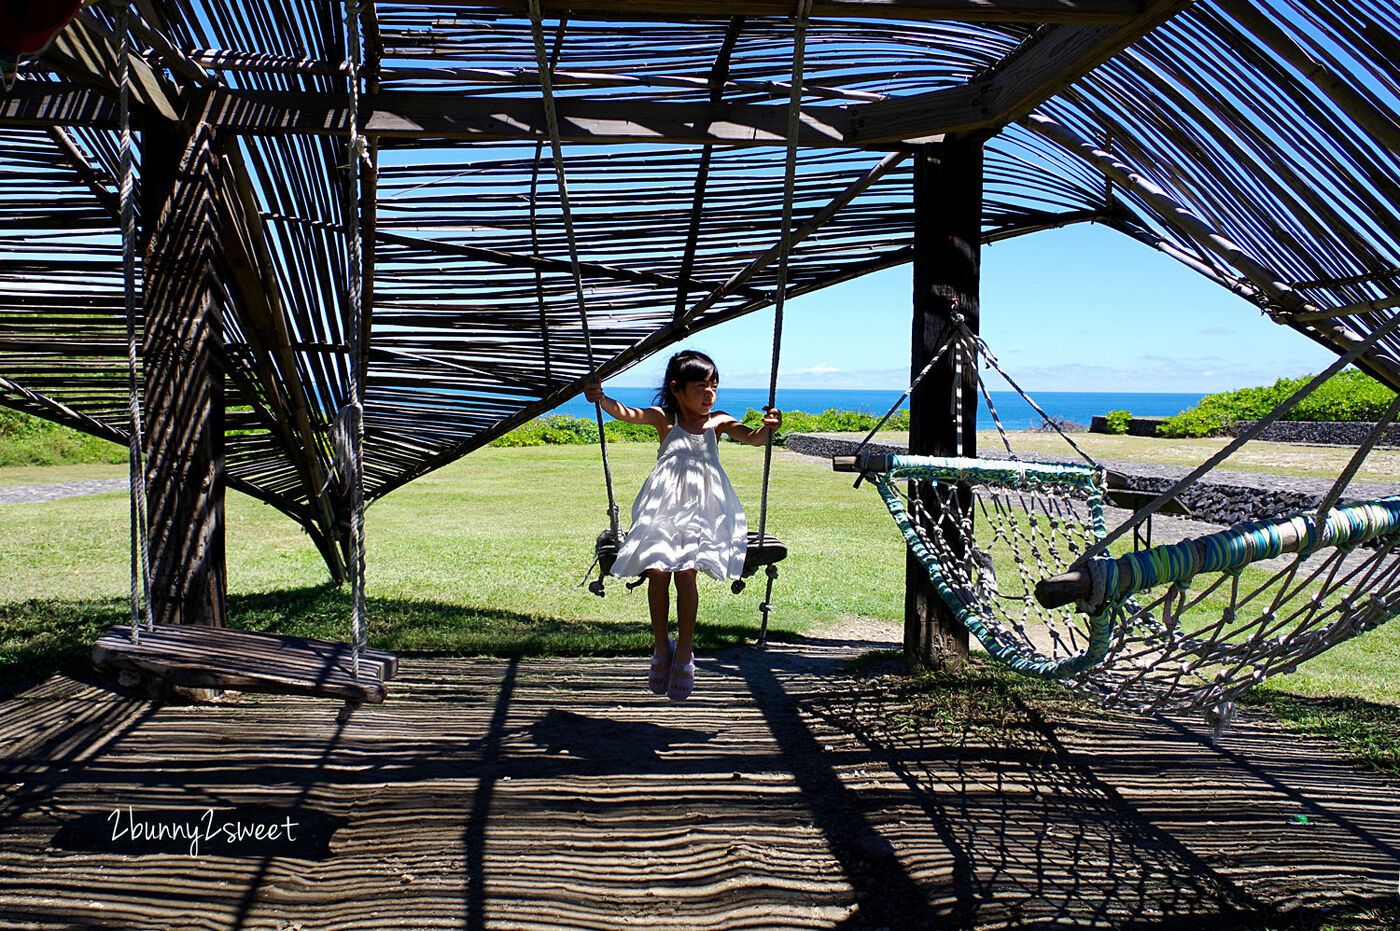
[1265, 130]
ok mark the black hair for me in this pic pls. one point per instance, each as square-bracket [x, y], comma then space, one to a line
[686, 366]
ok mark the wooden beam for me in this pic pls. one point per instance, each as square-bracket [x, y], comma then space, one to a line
[20, 398]
[184, 406]
[1039, 69]
[87, 51]
[409, 115]
[109, 199]
[258, 305]
[539, 263]
[448, 115]
[977, 11]
[943, 408]
[51, 103]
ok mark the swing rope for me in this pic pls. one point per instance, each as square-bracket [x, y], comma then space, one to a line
[140, 538]
[352, 425]
[799, 45]
[552, 122]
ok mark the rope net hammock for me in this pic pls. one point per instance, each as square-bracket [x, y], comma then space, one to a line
[1019, 553]
[1180, 627]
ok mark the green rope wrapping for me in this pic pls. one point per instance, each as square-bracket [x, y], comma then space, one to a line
[1018, 655]
[1233, 549]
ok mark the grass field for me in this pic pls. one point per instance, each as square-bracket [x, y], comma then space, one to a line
[485, 556]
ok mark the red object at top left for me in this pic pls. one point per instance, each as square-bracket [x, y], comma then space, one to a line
[28, 26]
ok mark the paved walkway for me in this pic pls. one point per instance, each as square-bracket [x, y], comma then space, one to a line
[29, 494]
[559, 793]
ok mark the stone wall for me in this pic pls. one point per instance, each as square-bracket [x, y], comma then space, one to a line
[1320, 433]
[1315, 433]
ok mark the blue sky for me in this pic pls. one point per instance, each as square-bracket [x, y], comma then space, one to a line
[1076, 309]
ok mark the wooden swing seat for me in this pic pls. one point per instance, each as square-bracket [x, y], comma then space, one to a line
[760, 553]
[243, 661]
[763, 552]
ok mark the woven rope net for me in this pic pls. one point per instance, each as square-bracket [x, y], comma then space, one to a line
[1182, 627]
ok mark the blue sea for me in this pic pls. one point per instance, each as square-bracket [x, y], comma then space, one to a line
[1075, 406]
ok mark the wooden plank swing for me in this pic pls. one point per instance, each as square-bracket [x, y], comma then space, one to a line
[246, 661]
[200, 652]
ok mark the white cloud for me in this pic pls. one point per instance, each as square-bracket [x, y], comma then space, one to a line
[810, 370]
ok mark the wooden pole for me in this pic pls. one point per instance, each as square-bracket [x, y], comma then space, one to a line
[943, 409]
[184, 398]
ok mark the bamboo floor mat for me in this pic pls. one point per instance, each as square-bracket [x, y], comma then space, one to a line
[552, 794]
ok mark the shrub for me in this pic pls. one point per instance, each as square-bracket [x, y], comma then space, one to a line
[1351, 395]
[558, 429]
[828, 421]
[28, 440]
[1117, 421]
[629, 432]
[561, 429]
[1193, 422]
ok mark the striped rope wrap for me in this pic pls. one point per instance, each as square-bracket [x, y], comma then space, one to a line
[1232, 550]
[1176, 649]
[1015, 652]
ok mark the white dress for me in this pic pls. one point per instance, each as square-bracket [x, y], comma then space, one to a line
[687, 515]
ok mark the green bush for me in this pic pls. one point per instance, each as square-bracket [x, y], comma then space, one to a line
[828, 421]
[1193, 422]
[561, 429]
[1351, 395]
[26, 440]
[1117, 421]
[629, 432]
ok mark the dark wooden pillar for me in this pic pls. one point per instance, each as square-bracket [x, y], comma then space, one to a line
[947, 240]
[184, 400]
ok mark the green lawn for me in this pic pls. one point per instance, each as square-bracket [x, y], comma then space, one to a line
[485, 556]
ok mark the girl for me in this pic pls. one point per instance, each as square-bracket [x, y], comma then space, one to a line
[686, 517]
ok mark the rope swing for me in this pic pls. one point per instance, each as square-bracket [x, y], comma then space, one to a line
[799, 47]
[140, 537]
[351, 421]
[544, 66]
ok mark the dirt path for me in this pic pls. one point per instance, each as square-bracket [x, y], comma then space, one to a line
[561, 794]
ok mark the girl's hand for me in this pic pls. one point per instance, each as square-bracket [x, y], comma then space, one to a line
[593, 391]
[772, 418]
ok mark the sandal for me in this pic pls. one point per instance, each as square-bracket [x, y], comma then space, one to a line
[682, 680]
[660, 678]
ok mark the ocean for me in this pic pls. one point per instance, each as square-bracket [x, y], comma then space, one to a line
[1075, 406]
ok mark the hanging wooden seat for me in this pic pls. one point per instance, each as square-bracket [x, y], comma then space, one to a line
[760, 553]
[240, 660]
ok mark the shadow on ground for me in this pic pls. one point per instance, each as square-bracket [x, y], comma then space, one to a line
[40, 638]
[560, 793]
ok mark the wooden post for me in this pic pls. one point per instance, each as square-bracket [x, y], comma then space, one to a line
[947, 240]
[184, 401]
